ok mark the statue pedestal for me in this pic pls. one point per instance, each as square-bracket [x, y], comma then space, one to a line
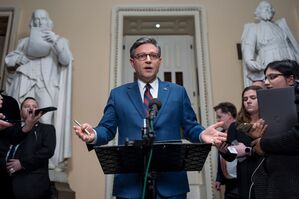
[64, 191]
[61, 185]
[58, 176]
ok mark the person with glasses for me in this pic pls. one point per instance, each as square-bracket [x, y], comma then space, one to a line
[279, 173]
[125, 112]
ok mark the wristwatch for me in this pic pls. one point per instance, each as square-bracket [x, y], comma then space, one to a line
[248, 151]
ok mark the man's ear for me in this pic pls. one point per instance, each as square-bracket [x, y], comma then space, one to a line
[132, 62]
[230, 115]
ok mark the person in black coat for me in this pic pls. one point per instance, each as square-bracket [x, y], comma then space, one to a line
[28, 166]
[10, 114]
[226, 173]
[280, 171]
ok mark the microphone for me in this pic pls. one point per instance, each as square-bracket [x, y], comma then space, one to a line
[154, 106]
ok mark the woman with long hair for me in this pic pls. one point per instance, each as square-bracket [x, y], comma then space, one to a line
[240, 142]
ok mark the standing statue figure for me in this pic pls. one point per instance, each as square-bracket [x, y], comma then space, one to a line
[264, 42]
[40, 67]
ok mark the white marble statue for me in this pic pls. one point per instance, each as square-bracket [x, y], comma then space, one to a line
[265, 41]
[41, 68]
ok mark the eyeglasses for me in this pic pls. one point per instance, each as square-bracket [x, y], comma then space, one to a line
[143, 56]
[273, 76]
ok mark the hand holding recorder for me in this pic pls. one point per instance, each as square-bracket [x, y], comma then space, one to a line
[44, 110]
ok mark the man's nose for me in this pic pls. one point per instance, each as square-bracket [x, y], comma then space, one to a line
[148, 58]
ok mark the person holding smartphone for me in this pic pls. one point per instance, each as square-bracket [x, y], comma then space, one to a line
[9, 111]
[27, 162]
[279, 173]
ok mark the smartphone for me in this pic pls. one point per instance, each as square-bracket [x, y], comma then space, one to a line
[12, 121]
[244, 127]
[85, 131]
[45, 110]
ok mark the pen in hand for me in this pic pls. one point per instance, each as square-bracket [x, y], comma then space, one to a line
[85, 130]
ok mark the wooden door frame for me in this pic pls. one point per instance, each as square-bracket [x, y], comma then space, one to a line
[13, 17]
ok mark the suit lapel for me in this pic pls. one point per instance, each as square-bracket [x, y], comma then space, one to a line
[163, 94]
[135, 98]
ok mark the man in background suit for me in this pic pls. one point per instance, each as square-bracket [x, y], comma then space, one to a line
[27, 162]
[125, 112]
[226, 171]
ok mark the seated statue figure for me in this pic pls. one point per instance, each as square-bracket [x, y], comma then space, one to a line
[264, 42]
[40, 67]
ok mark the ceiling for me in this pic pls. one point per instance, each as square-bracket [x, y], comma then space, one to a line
[146, 25]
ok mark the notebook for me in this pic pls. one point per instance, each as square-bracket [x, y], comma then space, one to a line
[277, 107]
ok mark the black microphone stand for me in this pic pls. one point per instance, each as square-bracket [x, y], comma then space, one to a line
[148, 137]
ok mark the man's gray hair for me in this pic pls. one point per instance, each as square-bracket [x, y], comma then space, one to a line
[144, 40]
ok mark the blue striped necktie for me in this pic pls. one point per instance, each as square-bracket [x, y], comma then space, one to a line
[147, 97]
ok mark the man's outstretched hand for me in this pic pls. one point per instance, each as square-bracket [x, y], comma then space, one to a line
[212, 136]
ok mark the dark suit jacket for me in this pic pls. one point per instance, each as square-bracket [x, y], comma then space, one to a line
[34, 153]
[125, 112]
[10, 108]
[246, 167]
[278, 177]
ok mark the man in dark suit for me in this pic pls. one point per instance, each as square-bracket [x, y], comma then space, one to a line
[27, 162]
[226, 171]
[126, 110]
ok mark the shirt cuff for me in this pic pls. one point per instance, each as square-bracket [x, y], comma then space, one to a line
[95, 138]
[199, 137]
